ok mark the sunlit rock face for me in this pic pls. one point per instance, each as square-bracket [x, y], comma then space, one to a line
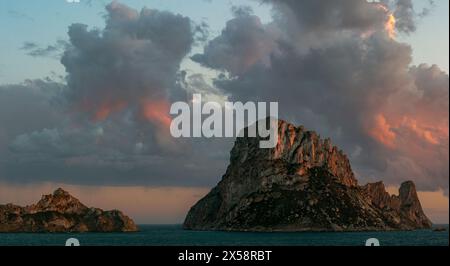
[303, 184]
[404, 207]
[60, 212]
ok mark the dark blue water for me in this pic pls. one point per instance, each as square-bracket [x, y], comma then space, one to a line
[151, 235]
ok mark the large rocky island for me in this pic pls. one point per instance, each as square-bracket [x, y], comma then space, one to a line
[60, 212]
[303, 184]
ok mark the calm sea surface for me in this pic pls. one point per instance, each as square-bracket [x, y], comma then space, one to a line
[151, 235]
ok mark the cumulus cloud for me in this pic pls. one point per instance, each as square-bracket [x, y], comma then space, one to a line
[115, 119]
[131, 63]
[406, 15]
[404, 12]
[244, 42]
[337, 68]
[332, 15]
[334, 66]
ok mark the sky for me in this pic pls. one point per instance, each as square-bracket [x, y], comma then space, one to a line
[85, 89]
[22, 18]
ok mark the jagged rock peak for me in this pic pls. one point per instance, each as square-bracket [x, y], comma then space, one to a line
[303, 184]
[406, 203]
[61, 212]
[60, 192]
[60, 201]
[302, 149]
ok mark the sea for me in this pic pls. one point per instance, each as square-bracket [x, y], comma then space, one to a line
[174, 235]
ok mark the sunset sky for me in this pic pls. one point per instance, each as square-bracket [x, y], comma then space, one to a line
[85, 90]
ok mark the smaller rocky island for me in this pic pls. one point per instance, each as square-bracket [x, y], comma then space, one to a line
[61, 212]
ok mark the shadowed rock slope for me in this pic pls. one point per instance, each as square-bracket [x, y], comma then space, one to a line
[303, 184]
[60, 212]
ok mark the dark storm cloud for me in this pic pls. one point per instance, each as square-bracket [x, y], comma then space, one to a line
[337, 69]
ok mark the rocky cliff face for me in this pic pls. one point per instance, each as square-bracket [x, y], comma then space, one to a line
[404, 208]
[60, 212]
[303, 184]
